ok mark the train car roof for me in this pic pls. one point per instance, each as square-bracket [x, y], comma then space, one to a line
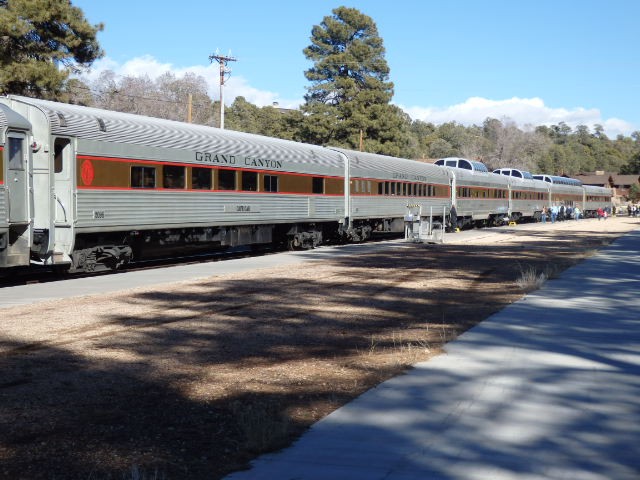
[480, 178]
[10, 118]
[597, 189]
[392, 167]
[96, 124]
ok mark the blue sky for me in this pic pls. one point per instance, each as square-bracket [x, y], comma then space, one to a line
[533, 62]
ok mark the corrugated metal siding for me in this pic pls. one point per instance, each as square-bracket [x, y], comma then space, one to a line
[4, 214]
[380, 207]
[3, 123]
[481, 209]
[527, 207]
[134, 209]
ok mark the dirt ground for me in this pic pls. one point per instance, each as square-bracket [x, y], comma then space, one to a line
[192, 380]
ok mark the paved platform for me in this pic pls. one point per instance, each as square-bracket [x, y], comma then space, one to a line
[548, 388]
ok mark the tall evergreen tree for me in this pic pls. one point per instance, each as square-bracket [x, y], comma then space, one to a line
[41, 43]
[350, 89]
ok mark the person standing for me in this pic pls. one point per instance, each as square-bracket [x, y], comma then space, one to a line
[453, 218]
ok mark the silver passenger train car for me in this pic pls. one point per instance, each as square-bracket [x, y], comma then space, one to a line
[571, 192]
[526, 194]
[100, 188]
[86, 189]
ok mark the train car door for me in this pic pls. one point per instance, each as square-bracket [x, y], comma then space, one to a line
[18, 178]
[64, 195]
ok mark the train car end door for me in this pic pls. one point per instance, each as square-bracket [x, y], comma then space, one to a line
[65, 198]
[17, 179]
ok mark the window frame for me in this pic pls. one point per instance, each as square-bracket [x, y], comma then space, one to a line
[143, 169]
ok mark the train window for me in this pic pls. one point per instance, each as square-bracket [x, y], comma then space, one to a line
[368, 186]
[61, 119]
[101, 125]
[250, 181]
[15, 153]
[464, 164]
[227, 179]
[173, 177]
[381, 188]
[317, 185]
[270, 183]
[143, 177]
[59, 147]
[200, 178]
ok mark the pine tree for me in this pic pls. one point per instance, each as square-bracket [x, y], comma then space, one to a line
[41, 43]
[350, 89]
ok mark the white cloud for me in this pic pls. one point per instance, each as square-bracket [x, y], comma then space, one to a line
[235, 86]
[523, 111]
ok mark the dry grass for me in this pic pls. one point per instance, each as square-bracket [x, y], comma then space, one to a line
[195, 379]
[530, 279]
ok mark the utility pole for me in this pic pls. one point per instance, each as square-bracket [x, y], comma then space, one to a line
[222, 60]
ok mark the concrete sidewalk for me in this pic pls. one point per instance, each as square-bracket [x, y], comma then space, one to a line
[548, 388]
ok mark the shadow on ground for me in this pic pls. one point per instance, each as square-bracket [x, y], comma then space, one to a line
[217, 371]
